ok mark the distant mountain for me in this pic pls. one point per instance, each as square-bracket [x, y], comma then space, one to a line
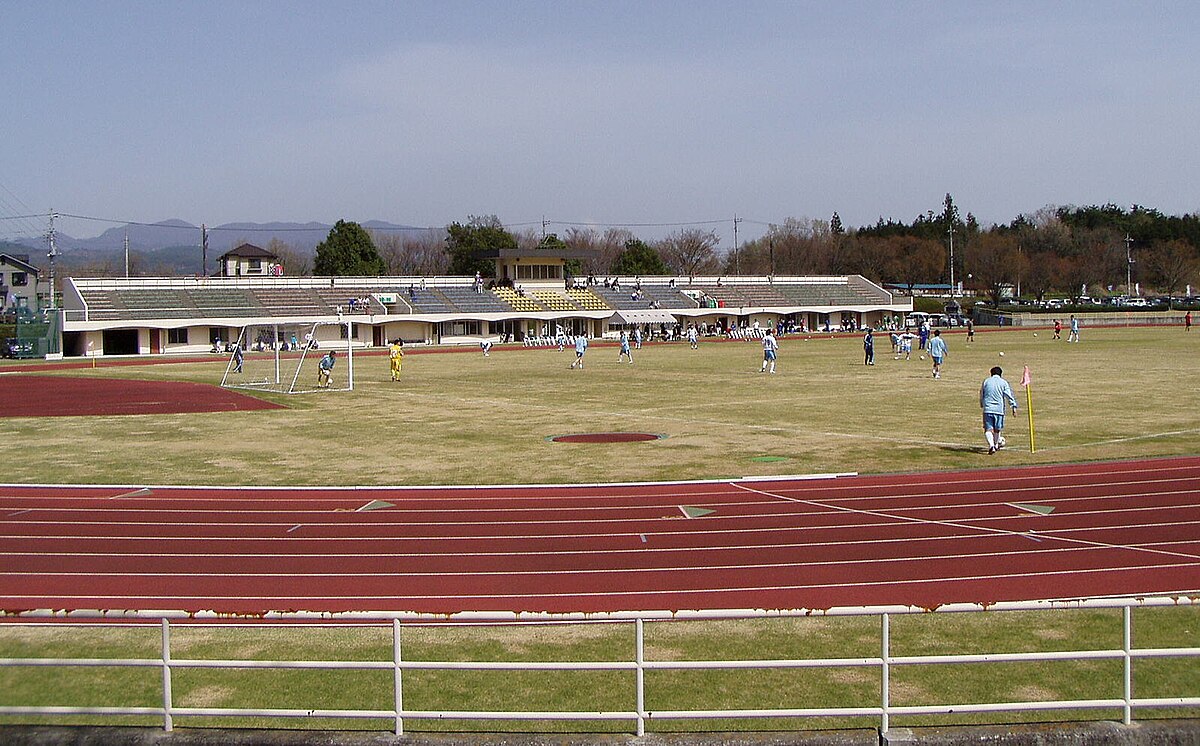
[176, 243]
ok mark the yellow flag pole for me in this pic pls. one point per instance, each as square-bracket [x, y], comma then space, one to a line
[1029, 409]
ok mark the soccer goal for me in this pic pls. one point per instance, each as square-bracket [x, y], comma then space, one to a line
[287, 358]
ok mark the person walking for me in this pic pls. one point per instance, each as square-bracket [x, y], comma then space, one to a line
[396, 357]
[581, 345]
[625, 353]
[1074, 335]
[993, 395]
[770, 351]
[937, 351]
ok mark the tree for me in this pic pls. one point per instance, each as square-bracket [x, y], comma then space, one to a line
[835, 225]
[1170, 265]
[413, 254]
[997, 264]
[601, 250]
[348, 250]
[691, 251]
[467, 244]
[638, 259]
[294, 261]
[918, 260]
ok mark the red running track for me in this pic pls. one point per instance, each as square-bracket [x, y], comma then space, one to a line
[1128, 528]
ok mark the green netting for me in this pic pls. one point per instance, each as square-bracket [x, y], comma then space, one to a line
[37, 334]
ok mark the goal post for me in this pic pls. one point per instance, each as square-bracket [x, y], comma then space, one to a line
[286, 358]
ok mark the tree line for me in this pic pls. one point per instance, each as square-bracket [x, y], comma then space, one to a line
[1055, 250]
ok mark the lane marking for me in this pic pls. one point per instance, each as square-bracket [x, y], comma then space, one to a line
[143, 492]
[968, 526]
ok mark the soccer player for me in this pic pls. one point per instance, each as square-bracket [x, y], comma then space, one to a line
[637, 338]
[625, 348]
[937, 351]
[869, 348]
[581, 345]
[486, 346]
[970, 330]
[694, 338]
[325, 370]
[237, 357]
[1057, 329]
[396, 357]
[993, 394]
[1187, 321]
[770, 348]
[1074, 335]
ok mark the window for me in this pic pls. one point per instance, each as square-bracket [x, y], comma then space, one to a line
[20, 279]
[460, 328]
[177, 336]
[539, 271]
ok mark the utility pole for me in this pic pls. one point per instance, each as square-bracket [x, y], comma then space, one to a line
[951, 232]
[203, 250]
[544, 224]
[1128, 266]
[127, 251]
[52, 255]
[737, 254]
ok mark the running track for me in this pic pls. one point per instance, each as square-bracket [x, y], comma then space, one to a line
[1128, 528]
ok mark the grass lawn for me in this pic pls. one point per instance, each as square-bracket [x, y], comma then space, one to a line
[460, 418]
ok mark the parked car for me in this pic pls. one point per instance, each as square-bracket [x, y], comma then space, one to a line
[14, 348]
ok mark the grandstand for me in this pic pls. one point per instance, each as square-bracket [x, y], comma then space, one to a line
[130, 315]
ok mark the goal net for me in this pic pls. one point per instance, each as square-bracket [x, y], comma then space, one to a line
[291, 358]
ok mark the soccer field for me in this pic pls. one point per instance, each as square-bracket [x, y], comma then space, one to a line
[457, 417]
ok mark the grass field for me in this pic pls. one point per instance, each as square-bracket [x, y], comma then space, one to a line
[457, 417]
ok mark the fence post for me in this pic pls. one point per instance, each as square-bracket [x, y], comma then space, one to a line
[884, 669]
[396, 679]
[1128, 623]
[640, 658]
[168, 723]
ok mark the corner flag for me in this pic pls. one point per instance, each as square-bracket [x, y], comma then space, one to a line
[1027, 382]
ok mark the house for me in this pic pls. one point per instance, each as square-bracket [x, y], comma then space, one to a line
[249, 260]
[19, 283]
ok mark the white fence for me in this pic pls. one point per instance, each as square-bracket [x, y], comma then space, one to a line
[638, 664]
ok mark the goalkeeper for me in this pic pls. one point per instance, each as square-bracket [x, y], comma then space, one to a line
[325, 370]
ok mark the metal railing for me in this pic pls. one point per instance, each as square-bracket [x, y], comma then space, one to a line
[638, 664]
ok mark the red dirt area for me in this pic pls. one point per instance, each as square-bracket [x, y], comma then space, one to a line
[58, 396]
[605, 437]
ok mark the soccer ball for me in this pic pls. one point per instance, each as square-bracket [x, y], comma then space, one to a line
[1035, 334]
[1001, 354]
[922, 357]
[1002, 442]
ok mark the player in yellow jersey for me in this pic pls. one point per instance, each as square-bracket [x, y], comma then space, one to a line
[396, 357]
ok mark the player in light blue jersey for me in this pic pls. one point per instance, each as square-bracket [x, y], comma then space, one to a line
[937, 351]
[993, 395]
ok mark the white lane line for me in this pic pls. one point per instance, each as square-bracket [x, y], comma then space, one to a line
[1035, 474]
[740, 547]
[1108, 493]
[964, 525]
[443, 538]
[840, 584]
[632, 570]
[655, 517]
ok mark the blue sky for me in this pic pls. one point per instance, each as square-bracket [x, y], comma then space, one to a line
[601, 112]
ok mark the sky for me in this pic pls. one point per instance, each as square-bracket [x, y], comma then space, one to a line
[597, 113]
